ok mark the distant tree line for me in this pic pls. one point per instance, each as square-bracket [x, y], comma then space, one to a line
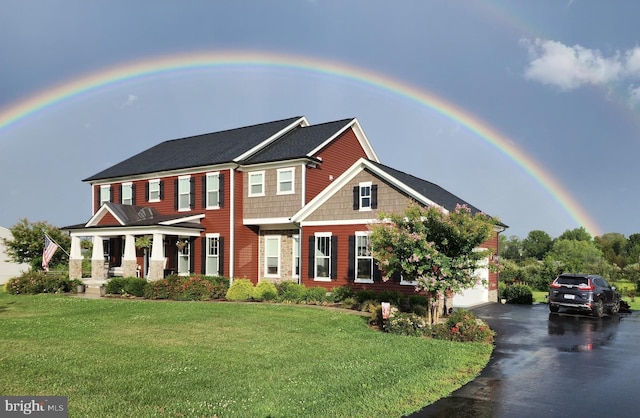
[537, 259]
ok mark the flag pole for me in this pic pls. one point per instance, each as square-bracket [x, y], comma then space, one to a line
[59, 246]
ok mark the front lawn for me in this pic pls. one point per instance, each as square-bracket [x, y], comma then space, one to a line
[124, 358]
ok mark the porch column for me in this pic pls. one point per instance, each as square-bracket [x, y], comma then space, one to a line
[98, 270]
[75, 259]
[129, 260]
[158, 260]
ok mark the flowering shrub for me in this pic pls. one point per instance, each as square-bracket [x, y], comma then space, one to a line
[33, 282]
[195, 287]
[462, 325]
[407, 324]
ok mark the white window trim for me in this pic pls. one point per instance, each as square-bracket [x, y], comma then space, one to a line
[129, 186]
[295, 255]
[404, 282]
[106, 188]
[360, 186]
[251, 173]
[188, 256]
[155, 182]
[293, 180]
[355, 257]
[315, 269]
[215, 175]
[207, 237]
[266, 256]
[180, 194]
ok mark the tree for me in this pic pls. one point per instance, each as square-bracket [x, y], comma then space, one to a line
[536, 244]
[28, 243]
[577, 234]
[614, 247]
[576, 256]
[510, 248]
[439, 250]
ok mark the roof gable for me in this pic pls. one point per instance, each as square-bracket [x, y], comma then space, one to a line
[129, 215]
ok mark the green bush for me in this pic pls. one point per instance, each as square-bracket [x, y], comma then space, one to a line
[134, 286]
[240, 290]
[316, 295]
[291, 292]
[195, 288]
[462, 325]
[33, 282]
[407, 324]
[220, 286]
[157, 289]
[518, 294]
[392, 296]
[364, 295]
[340, 293]
[349, 303]
[265, 291]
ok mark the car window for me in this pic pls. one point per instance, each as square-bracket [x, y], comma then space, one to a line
[605, 283]
[574, 281]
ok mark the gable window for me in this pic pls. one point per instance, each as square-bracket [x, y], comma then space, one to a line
[363, 258]
[323, 256]
[105, 194]
[154, 194]
[272, 255]
[256, 183]
[127, 194]
[212, 267]
[365, 196]
[212, 187]
[285, 181]
[184, 193]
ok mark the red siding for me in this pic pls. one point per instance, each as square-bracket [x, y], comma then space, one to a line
[108, 220]
[337, 157]
[246, 239]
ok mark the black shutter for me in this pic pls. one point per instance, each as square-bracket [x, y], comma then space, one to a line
[377, 274]
[192, 258]
[133, 194]
[203, 255]
[356, 197]
[161, 189]
[192, 192]
[146, 191]
[374, 196]
[396, 277]
[221, 190]
[204, 191]
[110, 194]
[120, 191]
[312, 261]
[97, 199]
[351, 274]
[334, 258]
[221, 256]
[175, 193]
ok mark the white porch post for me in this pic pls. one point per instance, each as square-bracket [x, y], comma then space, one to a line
[75, 259]
[129, 260]
[157, 262]
[98, 270]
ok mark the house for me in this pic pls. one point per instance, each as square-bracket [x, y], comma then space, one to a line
[282, 200]
[8, 269]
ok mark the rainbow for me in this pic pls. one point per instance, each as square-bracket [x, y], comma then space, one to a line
[206, 60]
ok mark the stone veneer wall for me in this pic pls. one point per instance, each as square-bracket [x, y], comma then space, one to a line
[75, 269]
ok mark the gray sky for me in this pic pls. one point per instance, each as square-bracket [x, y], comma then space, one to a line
[558, 80]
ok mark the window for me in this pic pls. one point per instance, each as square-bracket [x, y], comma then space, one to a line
[295, 245]
[127, 194]
[105, 194]
[322, 257]
[272, 255]
[364, 258]
[212, 267]
[365, 196]
[212, 188]
[285, 181]
[184, 260]
[184, 193]
[256, 183]
[154, 194]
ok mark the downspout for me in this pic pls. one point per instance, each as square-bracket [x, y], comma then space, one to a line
[232, 223]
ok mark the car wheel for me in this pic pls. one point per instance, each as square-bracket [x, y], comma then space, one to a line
[554, 308]
[598, 309]
[615, 308]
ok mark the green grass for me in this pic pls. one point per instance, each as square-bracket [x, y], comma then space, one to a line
[123, 358]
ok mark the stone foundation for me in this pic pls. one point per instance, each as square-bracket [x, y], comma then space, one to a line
[129, 268]
[75, 269]
[98, 271]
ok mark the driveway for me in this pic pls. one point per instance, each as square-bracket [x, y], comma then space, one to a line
[552, 365]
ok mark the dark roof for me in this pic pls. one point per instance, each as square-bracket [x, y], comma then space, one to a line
[431, 191]
[297, 143]
[207, 149]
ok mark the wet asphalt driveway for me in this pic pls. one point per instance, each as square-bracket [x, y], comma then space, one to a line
[552, 365]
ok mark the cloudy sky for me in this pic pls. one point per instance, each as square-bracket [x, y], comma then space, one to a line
[555, 85]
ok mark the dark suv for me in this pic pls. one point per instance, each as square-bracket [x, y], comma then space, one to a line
[587, 292]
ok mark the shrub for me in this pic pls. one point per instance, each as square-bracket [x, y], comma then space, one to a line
[33, 282]
[134, 286]
[392, 296]
[407, 324]
[158, 289]
[349, 303]
[316, 295]
[364, 295]
[340, 293]
[462, 325]
[369, 305]
[241, 289]
[291, 292]
[220, 286]
[518, 293]
[195, 288]
[266, 291]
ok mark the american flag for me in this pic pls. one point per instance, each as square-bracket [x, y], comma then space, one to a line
[50, 248]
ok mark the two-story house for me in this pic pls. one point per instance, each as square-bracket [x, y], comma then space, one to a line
[283, 200]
